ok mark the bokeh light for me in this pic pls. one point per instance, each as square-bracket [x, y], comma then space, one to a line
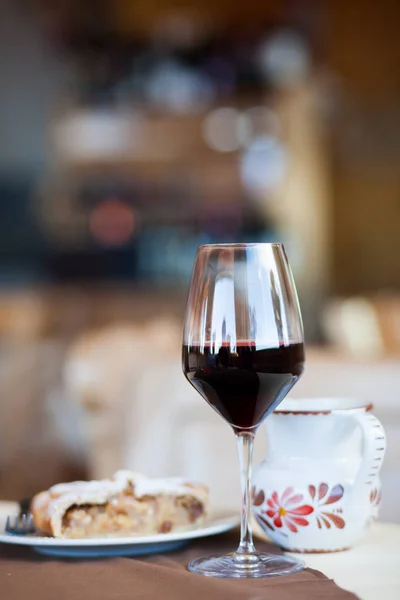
[112, 222]
[284, 59]
[263, 165]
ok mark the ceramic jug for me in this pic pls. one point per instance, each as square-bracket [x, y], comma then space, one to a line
[319, 485]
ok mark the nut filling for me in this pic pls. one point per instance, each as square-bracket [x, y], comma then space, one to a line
[124, 515]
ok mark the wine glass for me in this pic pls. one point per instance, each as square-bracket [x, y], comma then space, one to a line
[243, 351]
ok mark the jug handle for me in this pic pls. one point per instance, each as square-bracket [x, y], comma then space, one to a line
[374, 448]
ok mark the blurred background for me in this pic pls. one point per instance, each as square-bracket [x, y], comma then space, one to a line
[130, 133]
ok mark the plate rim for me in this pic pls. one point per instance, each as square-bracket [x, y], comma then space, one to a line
[220, 521]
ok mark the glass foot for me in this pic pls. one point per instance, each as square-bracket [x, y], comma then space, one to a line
[239, 565]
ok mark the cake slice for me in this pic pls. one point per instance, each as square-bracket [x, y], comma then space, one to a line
[128, 504]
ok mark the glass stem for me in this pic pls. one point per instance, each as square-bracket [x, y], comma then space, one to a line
[245, 442]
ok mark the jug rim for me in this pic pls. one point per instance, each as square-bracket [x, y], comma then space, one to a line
[322, 406]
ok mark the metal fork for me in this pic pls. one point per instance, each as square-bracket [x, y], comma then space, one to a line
[22, 524]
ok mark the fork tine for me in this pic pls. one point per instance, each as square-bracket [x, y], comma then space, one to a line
[12, 524]
[18, 525]
[31, 526]
[23, 524]
[8, 524]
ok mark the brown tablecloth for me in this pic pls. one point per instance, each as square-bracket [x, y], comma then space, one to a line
[25, 575]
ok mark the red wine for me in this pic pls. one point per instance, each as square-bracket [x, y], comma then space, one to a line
[244, 385]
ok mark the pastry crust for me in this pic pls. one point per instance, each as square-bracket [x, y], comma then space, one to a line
[128, 504]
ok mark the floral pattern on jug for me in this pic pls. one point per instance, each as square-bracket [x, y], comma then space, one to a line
[319, 486]
[290, 511]
[323, 497]
[375, 498]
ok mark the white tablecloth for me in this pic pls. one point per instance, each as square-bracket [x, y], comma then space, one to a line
[371, 569]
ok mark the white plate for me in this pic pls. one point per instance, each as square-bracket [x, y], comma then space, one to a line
[219, 522]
